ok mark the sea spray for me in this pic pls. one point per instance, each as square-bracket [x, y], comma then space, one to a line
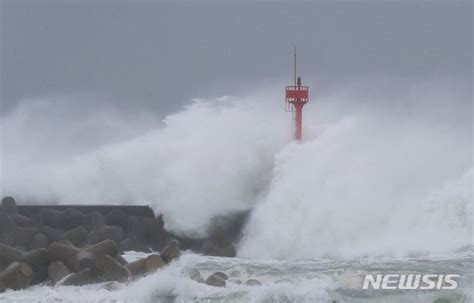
[383, 179]
[212, 157]
[373, 165]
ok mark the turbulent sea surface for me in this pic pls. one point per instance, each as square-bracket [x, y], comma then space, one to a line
[305, 280]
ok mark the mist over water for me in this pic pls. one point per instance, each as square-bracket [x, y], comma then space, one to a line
[385, 166]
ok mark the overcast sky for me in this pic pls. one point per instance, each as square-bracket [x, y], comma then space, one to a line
[156, 55]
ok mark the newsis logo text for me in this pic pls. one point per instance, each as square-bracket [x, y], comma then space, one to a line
[410, 281]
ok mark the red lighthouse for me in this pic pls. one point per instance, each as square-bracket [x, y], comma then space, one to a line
[296, 96]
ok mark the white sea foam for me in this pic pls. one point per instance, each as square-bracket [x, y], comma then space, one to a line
[172, 285]
[315, 281]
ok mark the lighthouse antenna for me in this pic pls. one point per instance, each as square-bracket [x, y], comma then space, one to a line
[294, 63]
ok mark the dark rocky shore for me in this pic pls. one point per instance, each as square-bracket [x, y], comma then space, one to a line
[77, 245]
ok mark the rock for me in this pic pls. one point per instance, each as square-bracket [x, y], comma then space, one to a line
[66, 219]
[9, 205]
[171, 251]
[93, 220]
[194, 274]
[50, 217]
[6, 223]
[121, 260]
[217, 279]
[39, 241]
[7, 230]
[137, 268]
[78, 259]
[13, 235]
[227, 229]
[136, 235]
[236, 281]
[253, 282]
[16, 276]
[156, 233]
[57, 271]
[80, 278]
[23, 221]
[75, 258]
[7, 238]
[24, 235]
[114, 233]
[137, 227]
[75, 235]
[14, 219]
[38, 260]
[71, 218]
[133, 244]
[223, 275]
[146, 265]
[54, 235]
[107, 247]
[174, 242]
[111, 270]
[154, 262]
[66, 242]
[117, 218]
[9, 254]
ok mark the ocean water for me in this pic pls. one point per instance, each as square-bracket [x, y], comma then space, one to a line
[304, 280]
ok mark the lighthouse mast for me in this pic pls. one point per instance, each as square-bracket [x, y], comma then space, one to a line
[296, 96]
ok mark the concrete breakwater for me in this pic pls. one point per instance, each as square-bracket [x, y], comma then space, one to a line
[77, 245]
